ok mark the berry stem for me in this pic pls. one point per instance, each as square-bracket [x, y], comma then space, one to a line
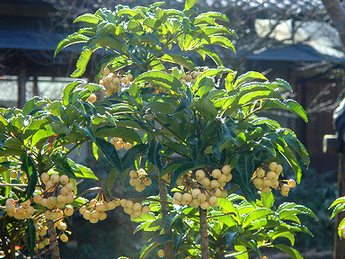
[54, 245]
[205, 253]
[168, 247]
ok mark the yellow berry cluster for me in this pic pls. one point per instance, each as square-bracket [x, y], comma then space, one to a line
[113, 81]
[139, 179]
[134, 209]
[56, 197]
[265, 180]
[41, 233]
[19, 210]
[118, 143]
[190, 76]
[205, 189]
[95, 210]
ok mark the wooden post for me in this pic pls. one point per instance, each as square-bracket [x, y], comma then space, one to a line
[35, 90]
[331, 144]
[21, 85]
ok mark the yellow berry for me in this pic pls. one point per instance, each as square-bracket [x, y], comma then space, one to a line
[279, 169]
[226, 169]
[195, 193]
[200, 174]
[205, 205]
[133, 174]
[64, 179]
[271, 175]
[187, 197]
[160, 253]
[147, 182]
[260, 172]
[64, 238]
[202, 197]
[54, 178]
[68, 211]
[292, 183]
[92, 98]
[216, 173]
[213, 200]
[257, 182]
[205, 182]
[139, 188]
[145, 209]
[38, 199]
[273, 166]
[45, 178]
[127, 145]
[285, 190]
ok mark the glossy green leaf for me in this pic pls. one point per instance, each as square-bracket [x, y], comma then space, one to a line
[74, 38]
[29, 167]
[189, 4]
[82, 62]
[88, 18]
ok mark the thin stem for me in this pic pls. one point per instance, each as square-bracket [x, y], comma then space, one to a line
[168, 248]
[205, 252]
[54, 245]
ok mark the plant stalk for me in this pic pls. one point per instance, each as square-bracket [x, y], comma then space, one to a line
[168, 246]
[205, 252]
[54, 245]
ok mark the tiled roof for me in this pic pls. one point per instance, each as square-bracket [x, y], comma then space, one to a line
[298, 8]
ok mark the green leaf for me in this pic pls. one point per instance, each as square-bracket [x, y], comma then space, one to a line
[144, 253]
[178, 59]
[84, 172]
[111, 178]
[160, 78]
[68, 91]
[340, 200]
[95, 151]
[153, 154]
[70, 40]
[229, 80]
[289, 105]
[189, 4]
[31, 236]
[267, 199]
[223, 41]
[88, 18]
[250, 75]
[213, 15]
[29, 167]
[41, 135]
[82, 62]
[284, 84]
[289, 250]
[208, 73]
[6, 176]
[127, 134]
[286, 234]
[257, 214]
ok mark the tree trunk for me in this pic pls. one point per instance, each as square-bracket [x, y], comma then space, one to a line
[337, 15]
[205, 252]
[54, 244]
[168, 248]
